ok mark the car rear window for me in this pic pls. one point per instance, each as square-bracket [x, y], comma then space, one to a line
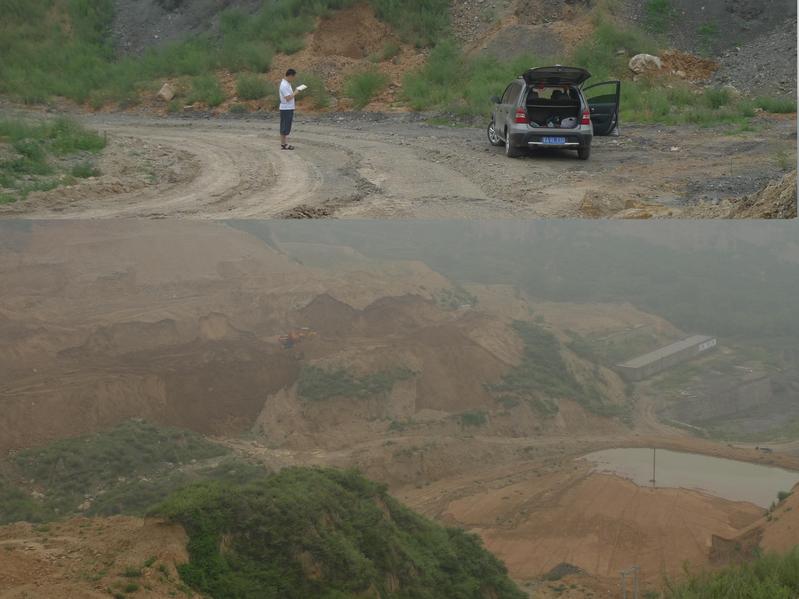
[549, 93]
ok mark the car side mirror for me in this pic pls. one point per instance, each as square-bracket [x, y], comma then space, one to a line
[496, 99]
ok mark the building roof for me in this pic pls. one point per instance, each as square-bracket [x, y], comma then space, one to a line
[663, 352]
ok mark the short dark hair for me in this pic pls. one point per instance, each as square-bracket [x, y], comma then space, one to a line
[290, 72]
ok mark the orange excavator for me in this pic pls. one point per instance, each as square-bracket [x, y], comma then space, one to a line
[295, 336]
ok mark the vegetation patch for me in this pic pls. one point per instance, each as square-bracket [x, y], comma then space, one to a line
[127, 469]
[363, 87]
[251, 87]
[38, 156]
[768, 577]
[543, 376]
[463, 85]
[475, 418]
[65, 48]
[325, 533]
[317, 384]
[454, 298]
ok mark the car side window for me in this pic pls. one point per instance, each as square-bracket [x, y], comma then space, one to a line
[508, 93]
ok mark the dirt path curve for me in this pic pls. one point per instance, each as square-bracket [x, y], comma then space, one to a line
[378, 166]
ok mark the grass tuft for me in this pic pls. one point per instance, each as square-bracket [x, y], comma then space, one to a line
[363, 87]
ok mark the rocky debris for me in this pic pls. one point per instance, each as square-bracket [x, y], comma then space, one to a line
[765, 66]
[643, 63]
[712, 27]
[777, 200]
[471, 19]
[142, 24]
[167, 92]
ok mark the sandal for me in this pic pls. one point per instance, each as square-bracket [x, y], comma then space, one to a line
[286, 147]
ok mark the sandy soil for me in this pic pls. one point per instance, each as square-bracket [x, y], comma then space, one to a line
[88, 558]
[384, 166]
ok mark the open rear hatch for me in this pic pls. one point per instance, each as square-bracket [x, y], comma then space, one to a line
[556, 75]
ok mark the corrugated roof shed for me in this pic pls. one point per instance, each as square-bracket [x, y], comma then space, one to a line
[663, 352]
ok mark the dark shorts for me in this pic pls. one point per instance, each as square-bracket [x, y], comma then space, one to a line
[286, 120]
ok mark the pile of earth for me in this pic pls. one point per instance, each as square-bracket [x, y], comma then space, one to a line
[764, 66]
[777, 200]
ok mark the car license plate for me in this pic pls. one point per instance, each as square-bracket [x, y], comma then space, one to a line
[555, 140]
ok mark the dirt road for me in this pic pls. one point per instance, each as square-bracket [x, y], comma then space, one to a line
[399, 166]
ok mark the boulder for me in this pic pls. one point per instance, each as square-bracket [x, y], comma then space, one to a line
[167, 92]
[641, 63]
[733, 91]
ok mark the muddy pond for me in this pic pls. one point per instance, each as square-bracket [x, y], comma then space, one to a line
[729, 479]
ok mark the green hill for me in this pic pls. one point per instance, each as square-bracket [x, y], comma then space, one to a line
[325, 534]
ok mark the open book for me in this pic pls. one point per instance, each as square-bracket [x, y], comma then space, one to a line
[302, 87]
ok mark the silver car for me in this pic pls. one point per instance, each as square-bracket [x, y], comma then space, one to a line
[548, 107]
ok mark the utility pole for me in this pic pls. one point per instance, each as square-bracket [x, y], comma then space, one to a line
[654, 454]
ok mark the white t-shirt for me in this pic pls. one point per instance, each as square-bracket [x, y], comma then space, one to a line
[285, 91]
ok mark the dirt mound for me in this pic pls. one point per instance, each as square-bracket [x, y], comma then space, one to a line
[85, 557]
[328, 316]
[764, 66]
[778, 200]
[533, 529]
[353, 33]
[688, 66]
[350, 40]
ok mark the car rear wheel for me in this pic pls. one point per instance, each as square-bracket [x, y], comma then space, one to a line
[584, 153]
[510, 151]
[493, 137]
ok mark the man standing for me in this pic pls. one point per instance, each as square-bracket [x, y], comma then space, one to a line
[287, 95]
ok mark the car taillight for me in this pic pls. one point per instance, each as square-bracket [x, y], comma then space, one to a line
[521, 115]
[586, 120]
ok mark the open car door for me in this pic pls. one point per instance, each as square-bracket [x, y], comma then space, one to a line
[603, 100]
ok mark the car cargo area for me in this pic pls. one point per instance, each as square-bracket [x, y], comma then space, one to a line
[556, 108]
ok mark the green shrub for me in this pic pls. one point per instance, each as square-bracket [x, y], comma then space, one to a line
[36, 144]
[251, 87]
[115, 462]
[473, 419]
[543, 372]
[84, 170]
[320, 98]
[776, 104]
[206, 89]
[355, 536]
[390, 50]
[767, 577]
[362, 87]
[316, 384]
[716, 97]
[420, 22]
[658, 15]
